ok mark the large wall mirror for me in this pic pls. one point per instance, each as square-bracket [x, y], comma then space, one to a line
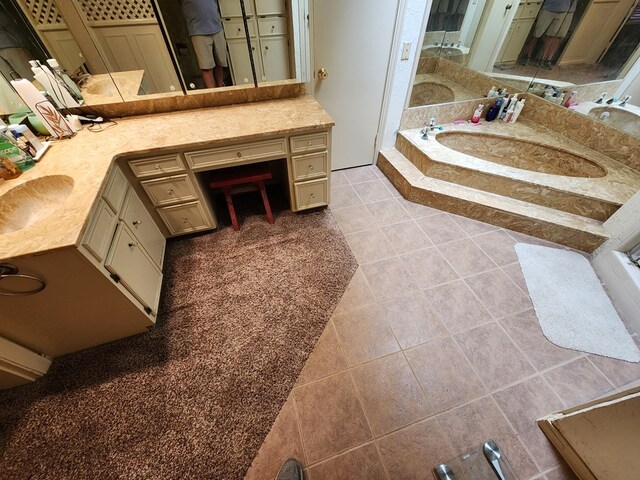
[123, 50]
[569, 52]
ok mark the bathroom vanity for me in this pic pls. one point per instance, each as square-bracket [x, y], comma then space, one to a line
[93, 246]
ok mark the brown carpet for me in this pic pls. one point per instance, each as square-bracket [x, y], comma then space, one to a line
[195, 397]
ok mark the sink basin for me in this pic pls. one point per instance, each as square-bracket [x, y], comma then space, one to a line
[521, 154]
[32, 201]
[429, 93]
[108, 87]
[618, 118]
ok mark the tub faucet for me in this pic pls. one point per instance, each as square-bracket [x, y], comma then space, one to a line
[603, 116]
[430, 128]
[602, 96]
[624, 101]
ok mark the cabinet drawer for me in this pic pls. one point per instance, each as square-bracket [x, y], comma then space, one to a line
[308, 143]
[231, 8]
[149, 167]
[311, 194]
[185, 218]
[245, 153]
[272, 25]
[529, 10]
[269, 7]
[135, 216]
[115, 189]
[100, 231]
[306, 167]
[234, 27]
[135, 269]
[165, 191]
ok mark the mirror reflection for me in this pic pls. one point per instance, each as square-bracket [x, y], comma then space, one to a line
[576, 53]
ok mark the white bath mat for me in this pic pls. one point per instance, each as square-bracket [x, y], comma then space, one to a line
[573, 309]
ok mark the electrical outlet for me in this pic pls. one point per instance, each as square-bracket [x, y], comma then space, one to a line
[406, 48]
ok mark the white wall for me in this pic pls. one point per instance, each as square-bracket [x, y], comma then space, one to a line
[620, 276]
[411, 31]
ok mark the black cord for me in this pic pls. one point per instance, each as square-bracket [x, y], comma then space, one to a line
[101, 127]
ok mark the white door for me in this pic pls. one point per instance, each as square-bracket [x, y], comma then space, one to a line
[352, 41]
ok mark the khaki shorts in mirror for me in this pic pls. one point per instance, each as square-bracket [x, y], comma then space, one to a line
[211, 50]
[552, 24]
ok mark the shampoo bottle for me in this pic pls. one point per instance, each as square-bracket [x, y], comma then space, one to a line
[477, 114]
[516, 111]
[493, 110]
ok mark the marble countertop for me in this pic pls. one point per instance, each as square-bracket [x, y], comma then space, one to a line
[88, 157]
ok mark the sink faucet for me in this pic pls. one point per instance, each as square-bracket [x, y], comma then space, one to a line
[624, 101]
[82, 79]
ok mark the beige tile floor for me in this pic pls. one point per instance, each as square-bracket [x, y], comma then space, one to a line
[433, 349]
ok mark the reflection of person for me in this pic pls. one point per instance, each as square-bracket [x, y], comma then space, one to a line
[553, 24]
[14, 58]
[205, 29]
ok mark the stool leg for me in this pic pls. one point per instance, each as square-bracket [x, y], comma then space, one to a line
[232, 210]
[265, 200]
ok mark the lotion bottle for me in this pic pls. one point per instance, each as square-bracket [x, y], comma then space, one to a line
[516, 111]
[477, 114]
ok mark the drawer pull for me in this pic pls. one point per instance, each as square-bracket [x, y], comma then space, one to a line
[239, 154]
[310, 167]
[137, 222]
[133, 244]
[309, 143]
[312, 195]
[170, 191]
[185, 219]
[156, 166]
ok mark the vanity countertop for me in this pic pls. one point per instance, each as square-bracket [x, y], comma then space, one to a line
[88, 156]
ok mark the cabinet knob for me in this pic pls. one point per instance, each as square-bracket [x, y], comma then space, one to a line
[309, 143]
[266, 47]
[185, 219]
[310, 167]
[239, 155]
[137, 222]
[133, 244]
[170, 191]
[156, 166]
[312, 195]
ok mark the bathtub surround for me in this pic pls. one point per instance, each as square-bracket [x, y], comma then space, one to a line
[571, 305]
[477, 183]
[195, 397]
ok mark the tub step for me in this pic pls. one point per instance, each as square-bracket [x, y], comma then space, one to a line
[495, 179]
[568, 229]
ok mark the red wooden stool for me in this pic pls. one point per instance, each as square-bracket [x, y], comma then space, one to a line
[255, 173]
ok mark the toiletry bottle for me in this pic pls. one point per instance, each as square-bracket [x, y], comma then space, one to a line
[516, 111]
[492, 93]
[8, 169]
[509, 108]
[477, 114]
[492, 113]
[509, 114]
[505, 102]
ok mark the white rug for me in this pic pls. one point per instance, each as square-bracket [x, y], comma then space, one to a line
[573, 309]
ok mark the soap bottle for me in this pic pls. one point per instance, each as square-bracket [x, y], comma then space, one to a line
[492, 113]
[477, 114]
[492, 93]
[516, 111]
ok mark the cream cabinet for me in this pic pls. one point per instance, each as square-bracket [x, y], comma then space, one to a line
[124, 239]
[268, 26]
[178, 200]
[518, 31]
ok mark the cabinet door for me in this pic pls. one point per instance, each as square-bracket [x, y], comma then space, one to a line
[136, 217]
[135, 269]
[231, 8]
[275, 58]
[519, 38]
[100, 231]
[507, 41]
[240, 63]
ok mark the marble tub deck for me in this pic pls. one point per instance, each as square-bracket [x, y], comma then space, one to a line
[604, 193]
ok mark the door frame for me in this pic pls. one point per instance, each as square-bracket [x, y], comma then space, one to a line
[389, 75]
